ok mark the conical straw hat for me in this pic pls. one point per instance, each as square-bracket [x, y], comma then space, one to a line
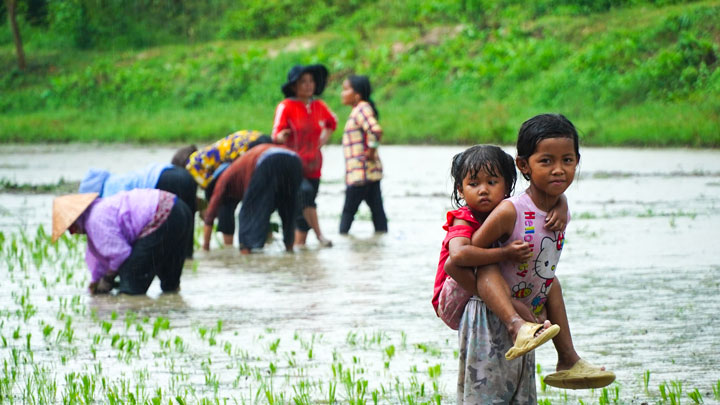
[66, 209]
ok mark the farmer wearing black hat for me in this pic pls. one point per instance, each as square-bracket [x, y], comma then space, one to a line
[304, 124]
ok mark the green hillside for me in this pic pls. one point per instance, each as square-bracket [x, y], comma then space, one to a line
[626, 73]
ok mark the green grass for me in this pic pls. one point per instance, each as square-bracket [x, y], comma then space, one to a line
[632, 76]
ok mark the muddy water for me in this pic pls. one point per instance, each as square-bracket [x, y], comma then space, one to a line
[640, 269]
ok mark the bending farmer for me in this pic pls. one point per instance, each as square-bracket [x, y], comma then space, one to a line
[134, 236]
[265, 178]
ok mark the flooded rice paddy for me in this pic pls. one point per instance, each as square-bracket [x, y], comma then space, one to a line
[353, 323]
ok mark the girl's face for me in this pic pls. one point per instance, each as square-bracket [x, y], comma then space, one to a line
[348, 95]
[552, 166]
[305, 87]
[483, 192]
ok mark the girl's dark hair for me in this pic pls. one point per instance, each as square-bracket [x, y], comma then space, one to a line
[544, 126]
[182, 155]
[488, 158]
[361, 85]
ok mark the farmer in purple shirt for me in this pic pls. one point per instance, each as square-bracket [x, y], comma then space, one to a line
[134, 235]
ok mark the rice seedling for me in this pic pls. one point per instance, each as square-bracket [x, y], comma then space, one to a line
[389, 352]
[604, 397]
[434, 372]
[541, 379]
[351, 338]
[47, 329]
[696, 396]
[429, 349]
[160, 324]
[302, 393]
[355, 387]
[274, 345]
[676, 391]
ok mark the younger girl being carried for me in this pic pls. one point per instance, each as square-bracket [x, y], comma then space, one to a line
[483, 176]
[515, 303]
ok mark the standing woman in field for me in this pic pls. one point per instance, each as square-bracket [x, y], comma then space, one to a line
[363, 169]
[304, 124]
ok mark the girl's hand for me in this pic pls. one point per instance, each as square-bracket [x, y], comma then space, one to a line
[324, 135]
[556, 219]
[371, 154]
[281, 136]
[555, 222]
[517, 252]
[103, 286]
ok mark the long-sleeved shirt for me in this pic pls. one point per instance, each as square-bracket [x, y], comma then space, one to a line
[306, 123]
[112, 225]
[205, 161]
[107, 184]
[362, 131]
[234, 181]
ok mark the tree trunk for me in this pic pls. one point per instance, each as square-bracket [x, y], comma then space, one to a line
[12, 18]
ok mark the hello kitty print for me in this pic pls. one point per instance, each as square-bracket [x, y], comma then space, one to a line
[530, 281]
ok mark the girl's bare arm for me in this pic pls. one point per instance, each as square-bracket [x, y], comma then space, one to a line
[464, 275]
[497, 227]
[498, 224]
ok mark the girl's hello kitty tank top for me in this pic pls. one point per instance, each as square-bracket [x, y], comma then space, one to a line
[530, 281]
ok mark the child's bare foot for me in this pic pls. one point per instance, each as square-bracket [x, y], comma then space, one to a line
[529, 336]
[519, 323]
[566, 362]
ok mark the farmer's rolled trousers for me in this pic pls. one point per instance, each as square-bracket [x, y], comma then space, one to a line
[179, 182]
[161, 253]
[274, 186]
[307, 194]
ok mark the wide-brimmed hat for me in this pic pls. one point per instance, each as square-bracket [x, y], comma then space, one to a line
[319, 73]
[68, 208]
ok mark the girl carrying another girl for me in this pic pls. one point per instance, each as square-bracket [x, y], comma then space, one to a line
[515, 302]
[483, 176]
[363, 169]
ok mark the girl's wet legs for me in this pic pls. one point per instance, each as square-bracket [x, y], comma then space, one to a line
[495, 292]
[567, 356]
